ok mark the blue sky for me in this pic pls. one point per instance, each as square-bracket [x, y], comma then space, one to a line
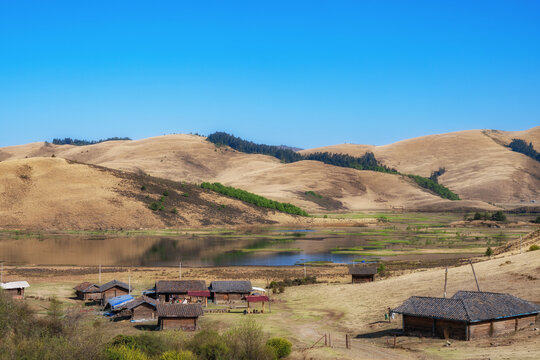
[302, 73]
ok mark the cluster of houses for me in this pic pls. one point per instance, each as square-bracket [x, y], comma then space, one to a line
[176, 304]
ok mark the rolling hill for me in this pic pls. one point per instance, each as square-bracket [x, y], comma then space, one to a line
[192, 159]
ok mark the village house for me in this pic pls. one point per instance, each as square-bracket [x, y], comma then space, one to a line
[362, 274]
[230, 291]
[142, 309]
[117, 303]
[177, 290]
[178, 316]
[113, 289]
[467, 315]
[87, 291]
[15, 288]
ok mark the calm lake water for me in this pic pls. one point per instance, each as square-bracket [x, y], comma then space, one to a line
[267, 247]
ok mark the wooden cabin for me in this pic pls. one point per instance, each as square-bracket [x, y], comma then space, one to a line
[87, 291]
[15, 289]
[178, 316]
[230, 291]
[198, 297]
[142, 309]
[177, 290]
[467, 315]
[113, 289]
[362, 274]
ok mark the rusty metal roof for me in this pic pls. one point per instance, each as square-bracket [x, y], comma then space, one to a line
[179, 286]
[179, 310]
[86, 287]
[468, 306]
[141, 300]
[257, 298]
[112, 284]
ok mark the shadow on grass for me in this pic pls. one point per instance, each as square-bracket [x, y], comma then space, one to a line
[380, 334]
[146, 327]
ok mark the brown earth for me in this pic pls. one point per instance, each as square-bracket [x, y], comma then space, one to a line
[192, 159]
[478, 165]
[53, 193]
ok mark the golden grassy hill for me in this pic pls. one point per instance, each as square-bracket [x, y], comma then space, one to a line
[478, 165]
[53, 193]
[192, 159]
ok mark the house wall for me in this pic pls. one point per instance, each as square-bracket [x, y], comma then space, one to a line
[15, 293]
[479, 330]
[113, 292]
[221, 298]
[143, 312]
[418, 326]
[447, 329]
[502, 327]
[170, 297]
[358, 279]
[525, 321]
[178, 323]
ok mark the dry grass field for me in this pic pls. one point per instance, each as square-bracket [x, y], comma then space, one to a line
[478, 168]
[336, 307]
[478, 165]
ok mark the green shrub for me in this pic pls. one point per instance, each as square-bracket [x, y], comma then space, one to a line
[154, 206]
[185, 195]
[247, 341]
[534, 247]
[381, 269]
[124, 352]
[477, 216]
[166, 193]
[437, 188]
[208, 344]
[143, 187]
[178, 355]
[489, 251]
[498, 216]
[162, 199]
[253, 198]
[174, 211]
[537, 220]
[282, 347]
[314, 194]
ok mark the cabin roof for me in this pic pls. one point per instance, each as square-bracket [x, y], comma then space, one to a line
[236, 286]
[202, 293]
[179, 286]
[257, 298]
[86, 287]
[179, 310]
[112, 284]
[468, 306]
[362, 270]
[14, 285]
[118, 301]
[141, 300]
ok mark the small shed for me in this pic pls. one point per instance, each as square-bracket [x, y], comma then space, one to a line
[87, 291]
[467, 315]
[230, 291]
[257, 299]
[15, 288]
[142, 309]
[178, 316]
[177, 290]
[118, 303]
[362, 274]
[113, 289]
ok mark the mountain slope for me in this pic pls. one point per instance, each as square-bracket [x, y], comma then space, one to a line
[52, 193]
[478, 165]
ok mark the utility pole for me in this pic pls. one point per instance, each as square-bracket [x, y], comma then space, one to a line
[475, 278]
[180, 270]
[2, 274]
[99, 274]
[305, 276]
[520, 240]
[445, 280]
[129, 282]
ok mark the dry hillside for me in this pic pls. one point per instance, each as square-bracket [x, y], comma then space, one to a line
[192, 159]
[478, 165]
[52, 193]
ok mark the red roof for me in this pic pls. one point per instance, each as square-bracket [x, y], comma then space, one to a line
[257, 298]
[204, 293]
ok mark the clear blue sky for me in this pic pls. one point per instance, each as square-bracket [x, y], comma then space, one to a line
[302, 73]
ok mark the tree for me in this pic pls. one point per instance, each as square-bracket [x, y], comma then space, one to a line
[489, 251]
[498, 216]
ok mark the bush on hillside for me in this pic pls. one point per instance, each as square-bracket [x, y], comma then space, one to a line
[282, 347]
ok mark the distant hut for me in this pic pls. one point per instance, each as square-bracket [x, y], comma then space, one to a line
[198, 297]
[362, 274]
[178, 316]
[177, 290]
[257, 299]
[87, 291]
[142, 309]
[118, 303]
[230, 291]
[15, 288]
[467, 315]
[113, 289]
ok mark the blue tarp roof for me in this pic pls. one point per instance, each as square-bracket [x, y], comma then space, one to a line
[119, 300]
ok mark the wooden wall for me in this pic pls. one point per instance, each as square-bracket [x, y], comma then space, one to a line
[114, 292]
[221, 298]
[500, 327]
[15, 293]
[359, 279]
[178, 323]
[143, 312]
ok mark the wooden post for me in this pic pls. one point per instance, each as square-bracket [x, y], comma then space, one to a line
[395, 336]
[99, 274]
[329, 340]
[325, 340]
[180, 271]
[346, 341]
[475, 278]
[445, 280]
[206, 301]
[2, 274]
